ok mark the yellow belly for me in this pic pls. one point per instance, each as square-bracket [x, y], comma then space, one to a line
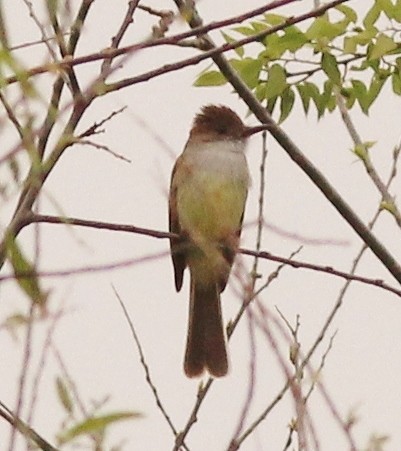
[210, 206]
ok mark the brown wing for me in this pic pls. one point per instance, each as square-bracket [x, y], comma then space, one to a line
[176, 244]
[229, 250]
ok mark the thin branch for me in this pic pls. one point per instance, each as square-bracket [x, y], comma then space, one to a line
[326, 324]
[70, 381]
[37, 42]
[146, 367]
[172, 40]
[216, 53]
[116, 40]
[367, 162]
[249, 293]
[354, 266]
[86, 269]
[11, 115]
[24, 429]
[166, 19]
[98, 146]
[321, 366]
[32, 218]
[44, 38]
[202, 392]
[24, 372]
[95, 128]
[36, 178]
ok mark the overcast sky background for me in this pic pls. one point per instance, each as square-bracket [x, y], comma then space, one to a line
[363, 369]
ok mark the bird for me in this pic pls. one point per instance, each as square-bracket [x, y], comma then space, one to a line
[208, 192]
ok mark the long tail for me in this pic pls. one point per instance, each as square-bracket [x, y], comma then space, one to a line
[206, 347]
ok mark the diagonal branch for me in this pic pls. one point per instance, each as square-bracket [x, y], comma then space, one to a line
[295, 153]
[367, 162]
[24, 429]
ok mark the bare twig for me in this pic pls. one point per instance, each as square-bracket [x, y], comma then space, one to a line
[41, 364]
[95, 128]
[216, 53]
[87, 142]
[355, 264]
[172, 40]
[202, 392]
[146, 367]
[321, 366]
[37, 42]
[115, 42]
[24, 372]
[11, 115]
[70, 380]
[24, 429]
[86, 269]
[32, 218]
[325, 326]
[367, 162]
[249, 293]
[44, 38]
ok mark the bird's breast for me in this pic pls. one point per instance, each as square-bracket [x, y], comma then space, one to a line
[212, 191]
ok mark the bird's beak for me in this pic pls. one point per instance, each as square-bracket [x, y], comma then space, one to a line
[249, 131]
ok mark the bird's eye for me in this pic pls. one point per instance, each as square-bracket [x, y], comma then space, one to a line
[221, 129]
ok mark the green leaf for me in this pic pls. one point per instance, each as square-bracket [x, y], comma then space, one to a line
[326, 99]
[274, 19]
[271, 104]
[375, 88]
[273, 48]
[391, 208]
[348, 12]
[64, 395]
[308, 91]
[361, 94]
[361, 150]
[323, 28]
[259, 26]
[21, 266]
[10, 62]
[396, 83]
[387, 7]
[286, 104]
[383, 45]
[365, 37]
[276, 82]
[330, 68]
[314, 95]
[305, 97]
[260, 91]
[372, 15]
[246, 31]
[238, 50]
[249, 70]
[14, 321]
[293, 39]
[211, 78]
[349, 97]
[350, 45]
[95, 424]
[397, 11]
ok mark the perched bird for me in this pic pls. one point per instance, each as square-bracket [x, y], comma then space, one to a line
[208, 191]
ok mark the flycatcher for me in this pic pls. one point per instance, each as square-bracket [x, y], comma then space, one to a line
[208, 191]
